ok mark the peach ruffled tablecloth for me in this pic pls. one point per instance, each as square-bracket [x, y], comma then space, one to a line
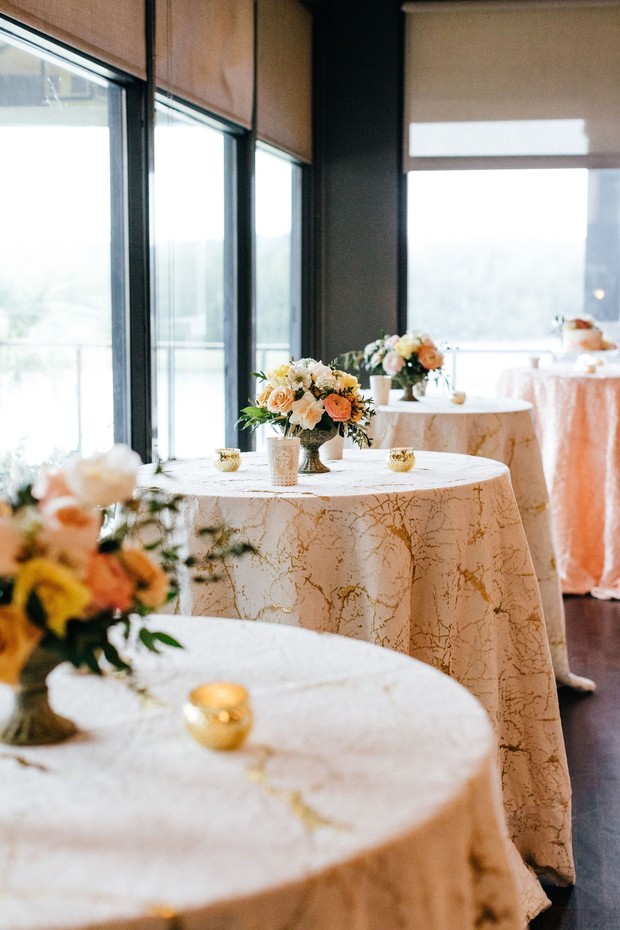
[433, 563]
[501, 429]
[578, 424]
[366, 796]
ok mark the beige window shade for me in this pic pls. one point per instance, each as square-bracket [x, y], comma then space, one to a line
[284, 78]
[111, 32]
[205, 54]
[512, 79]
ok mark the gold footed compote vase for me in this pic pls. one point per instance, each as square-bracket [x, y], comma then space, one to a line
[311, 441]
[33, 722]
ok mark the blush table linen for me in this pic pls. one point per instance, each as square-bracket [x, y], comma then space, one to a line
[578, 423]
[433, 563]
[502, 429]
[365, 796]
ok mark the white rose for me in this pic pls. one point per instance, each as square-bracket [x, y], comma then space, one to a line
[104, 478]
[307, 411]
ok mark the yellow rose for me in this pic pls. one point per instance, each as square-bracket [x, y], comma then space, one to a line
[62, 596]
[407, 345]
[278, 377]
[346, 381]
[151, 580]
[18, 637]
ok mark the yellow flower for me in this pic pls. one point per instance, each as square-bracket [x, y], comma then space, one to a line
[278, 377]
[346, 381]
[62, 596]
[18, 637]
[407, 345]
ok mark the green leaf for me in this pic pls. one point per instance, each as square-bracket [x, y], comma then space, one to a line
[167, 639]
[35, 611]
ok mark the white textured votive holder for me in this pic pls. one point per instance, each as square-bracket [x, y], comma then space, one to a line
[331, 451]
[283, 458]
[380, 386]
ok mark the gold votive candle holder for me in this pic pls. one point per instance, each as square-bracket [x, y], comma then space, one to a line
[227, 459]
[401, 459]
[218, 714]
[458, 397]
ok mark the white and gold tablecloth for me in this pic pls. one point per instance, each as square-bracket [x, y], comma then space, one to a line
[499, 428]
[578, 421]
[366, 796]
[433, 563]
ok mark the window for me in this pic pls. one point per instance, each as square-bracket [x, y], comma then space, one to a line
[60, 156]
[190, 280]
[277, 259]
[495, 256]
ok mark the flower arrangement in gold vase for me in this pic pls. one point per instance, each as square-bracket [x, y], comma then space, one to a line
[408, 359]
[314, 401]
[83, 552]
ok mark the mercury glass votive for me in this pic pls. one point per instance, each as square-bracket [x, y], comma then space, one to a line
[218, 715]
[401, 459]
[227, 459]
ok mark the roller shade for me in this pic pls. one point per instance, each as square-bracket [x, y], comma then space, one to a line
[89, 26]
[514, 79]
[205, 54]
[284, 77]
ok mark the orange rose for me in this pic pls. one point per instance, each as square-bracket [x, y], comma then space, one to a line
[110, 586]
[18, 637]
[430, 358]
[338, 408]
[150, 579]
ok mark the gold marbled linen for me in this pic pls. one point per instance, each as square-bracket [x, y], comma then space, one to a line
[502, 429]
[433, 563]
[365, 797]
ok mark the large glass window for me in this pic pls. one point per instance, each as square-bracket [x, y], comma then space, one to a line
[60, 139]
[190, 275]
[496, 255]
[277, 258]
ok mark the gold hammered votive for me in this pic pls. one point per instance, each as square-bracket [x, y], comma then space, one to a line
[218, 715]
[227, 459]
[400, 459]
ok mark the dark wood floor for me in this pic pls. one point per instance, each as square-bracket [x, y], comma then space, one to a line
[592, 733]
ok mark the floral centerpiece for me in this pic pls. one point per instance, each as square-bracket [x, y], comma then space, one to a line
[82, 551]
[408, 359]
[314, 401]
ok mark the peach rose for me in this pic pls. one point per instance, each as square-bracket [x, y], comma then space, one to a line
[10, 547]
[69, 530]
[18, 637]
[393, 362]
[338, 408]
[281, 400]
[263, 397]
[49, 485]
[150, 579]
[430, 358]
[110, 586]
